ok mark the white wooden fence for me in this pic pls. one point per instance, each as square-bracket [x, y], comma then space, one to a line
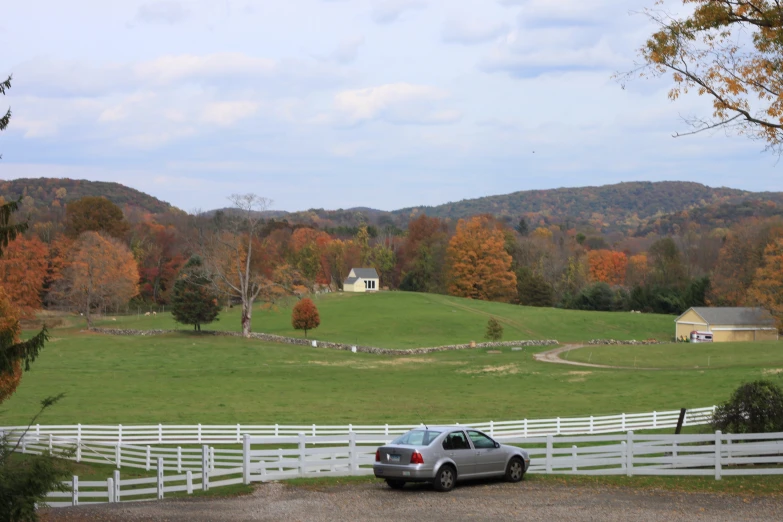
[628, 454]
[232, 434]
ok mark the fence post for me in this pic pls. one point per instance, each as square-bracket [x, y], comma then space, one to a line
[75, 491]
[623, 454]
[354, 456]
[549, 453]
[119, 433]
[160, 434]
[591, 424]
[116, 485]
[386, 430]
[50, 443]
[246, 458]
[37, 433]
[199, 433]
[239, 436]
[302, 454]
[110, 489]
[189, 482]
[148, 458]
[623, 423]
[655, 419]
[573, 454]
[160, 478]
[313, 430]
[117, 459]
[78, 451]
[491, 429]
[718, 448]
[524, 428]
[558, 425]
[277, 430]
[78, 441]
[629, 452]
[204, 468]
[179, 459]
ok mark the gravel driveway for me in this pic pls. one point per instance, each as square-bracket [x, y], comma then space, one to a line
[481, 501]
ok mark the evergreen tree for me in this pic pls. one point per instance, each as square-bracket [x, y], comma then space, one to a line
[193, 300]
[522, 227]
[494, 330]
[532, 289]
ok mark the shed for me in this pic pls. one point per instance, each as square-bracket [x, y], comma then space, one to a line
[362, 280]
[728, 323]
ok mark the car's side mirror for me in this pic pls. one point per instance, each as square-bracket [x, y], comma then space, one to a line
[497, 444]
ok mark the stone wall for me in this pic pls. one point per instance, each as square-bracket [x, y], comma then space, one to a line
[334, 346]
[632, 342]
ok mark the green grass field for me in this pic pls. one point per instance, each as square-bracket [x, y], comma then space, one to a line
[414, 320]
[701, 356]
[182, 378]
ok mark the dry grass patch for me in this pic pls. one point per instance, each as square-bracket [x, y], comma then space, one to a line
[578, 376]
[508, 369]
[773, 371]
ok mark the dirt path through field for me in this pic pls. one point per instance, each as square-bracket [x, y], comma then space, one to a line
[553, 356]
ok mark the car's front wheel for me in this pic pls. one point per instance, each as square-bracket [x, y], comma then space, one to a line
[445, 479]
[395, 484]
[515, 470]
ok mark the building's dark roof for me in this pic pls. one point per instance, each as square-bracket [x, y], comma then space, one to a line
[736, 315]
[350, 280]
[366, 273]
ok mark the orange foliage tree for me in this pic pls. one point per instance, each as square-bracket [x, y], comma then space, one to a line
[729, 51]
[101, 273]
[480, 267]
[607, 266]
[23, 269]
[9, 335]
[305, 316]
[767, 288]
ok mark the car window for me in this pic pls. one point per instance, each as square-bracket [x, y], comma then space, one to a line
[480, 440]
[417, 438]
[455, 441]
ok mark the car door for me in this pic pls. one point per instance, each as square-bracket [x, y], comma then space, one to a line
[489, 459]
[457, 447]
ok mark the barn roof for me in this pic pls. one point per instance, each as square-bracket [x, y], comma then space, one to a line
[734, 315]
[366, 273]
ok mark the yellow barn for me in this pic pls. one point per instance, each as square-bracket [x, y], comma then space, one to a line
[728, 324]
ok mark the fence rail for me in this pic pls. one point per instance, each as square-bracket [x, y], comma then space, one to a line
[628, 454]
[232, 434]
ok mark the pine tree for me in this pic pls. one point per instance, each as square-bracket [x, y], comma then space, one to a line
[494, 330]
[193, 300]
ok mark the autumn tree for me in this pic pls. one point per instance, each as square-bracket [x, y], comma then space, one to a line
[607, 266]
[101, 274]
[95, 214]
[532, 289]
[305, 316]
[480, 267]
[193, 298]
[767, 288]
[23, 270]
[666, 268]
[422, 255]
[729, 51]
[229, 246]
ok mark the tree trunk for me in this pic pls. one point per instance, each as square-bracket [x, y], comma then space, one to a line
[247, 312]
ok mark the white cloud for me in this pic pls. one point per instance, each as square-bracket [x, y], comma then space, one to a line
[348, 50]
[472, 32]
[401, 103]
[226, 114]
[389, 11]
[164, 11]
[174, 68]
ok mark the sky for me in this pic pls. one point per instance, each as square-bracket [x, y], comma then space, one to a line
[347, 103]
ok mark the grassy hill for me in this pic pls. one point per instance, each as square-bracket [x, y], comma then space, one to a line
[415, 320]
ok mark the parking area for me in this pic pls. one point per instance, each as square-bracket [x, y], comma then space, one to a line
[477, 501]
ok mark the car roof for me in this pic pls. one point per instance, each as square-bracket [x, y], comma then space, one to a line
[445, 428]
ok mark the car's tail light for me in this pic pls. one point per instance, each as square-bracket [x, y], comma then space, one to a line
[377, 455]
[416, 458]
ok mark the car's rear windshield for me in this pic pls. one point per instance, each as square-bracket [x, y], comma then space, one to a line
[417, 438]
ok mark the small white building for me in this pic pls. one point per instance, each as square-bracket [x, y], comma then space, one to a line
[362, 280]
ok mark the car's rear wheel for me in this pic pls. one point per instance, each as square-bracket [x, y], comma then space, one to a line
[445, 478]
[515, 470]
[395, 484]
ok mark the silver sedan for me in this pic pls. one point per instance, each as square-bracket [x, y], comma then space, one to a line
[443, 455]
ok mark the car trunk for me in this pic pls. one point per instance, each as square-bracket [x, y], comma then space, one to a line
[397, 455]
